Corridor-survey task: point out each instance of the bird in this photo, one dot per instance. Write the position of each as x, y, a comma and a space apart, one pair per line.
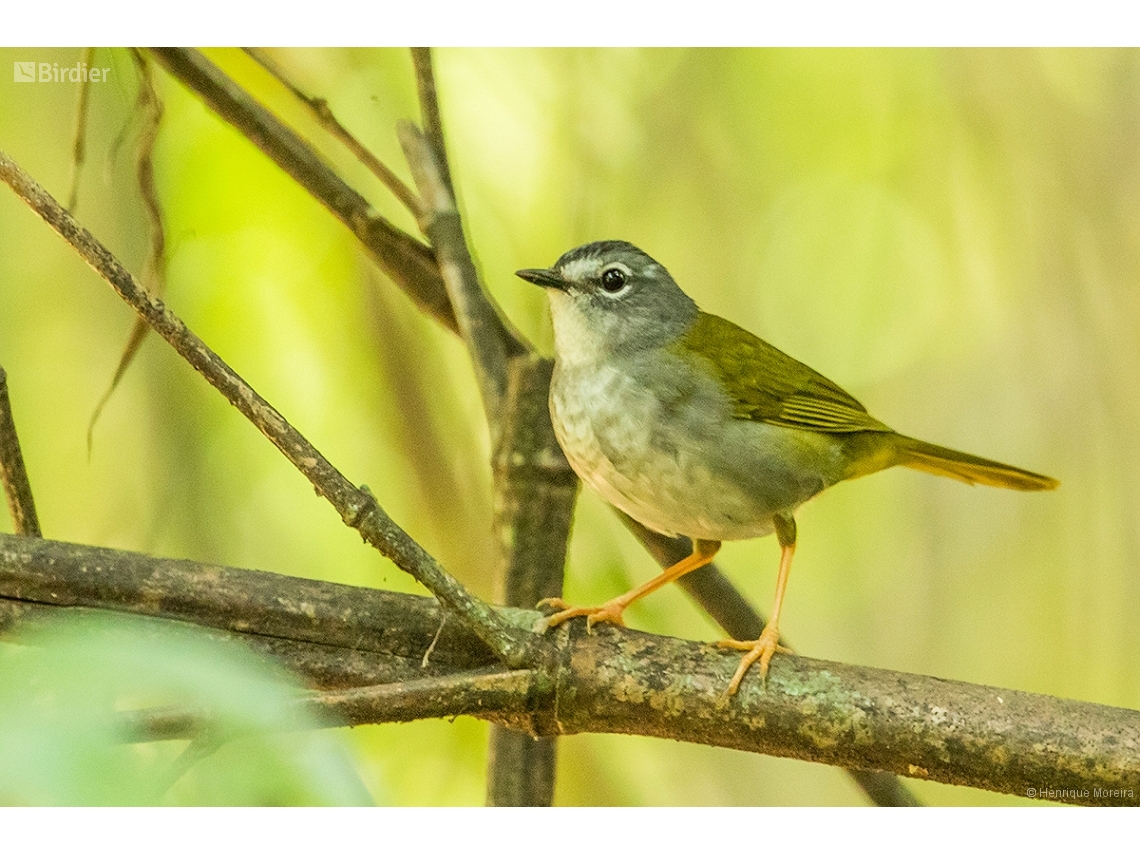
694, 426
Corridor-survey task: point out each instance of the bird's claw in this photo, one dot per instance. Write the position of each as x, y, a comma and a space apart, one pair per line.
762, 649
606, 613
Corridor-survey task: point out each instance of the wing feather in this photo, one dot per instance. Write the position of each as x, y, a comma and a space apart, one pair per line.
767, 385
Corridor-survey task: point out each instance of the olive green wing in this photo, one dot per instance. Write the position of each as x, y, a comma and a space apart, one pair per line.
767, 385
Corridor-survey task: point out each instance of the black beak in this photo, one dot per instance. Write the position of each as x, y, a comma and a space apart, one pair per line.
544, 277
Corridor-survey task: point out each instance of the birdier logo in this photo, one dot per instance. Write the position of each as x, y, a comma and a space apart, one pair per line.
52, 72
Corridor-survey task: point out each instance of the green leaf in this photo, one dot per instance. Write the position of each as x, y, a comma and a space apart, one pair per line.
66, 683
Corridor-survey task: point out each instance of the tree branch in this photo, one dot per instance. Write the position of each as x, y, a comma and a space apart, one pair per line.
266, 605
535, 492
491, 693
861, 718
357, 507
430, 112
622, 681
487, 337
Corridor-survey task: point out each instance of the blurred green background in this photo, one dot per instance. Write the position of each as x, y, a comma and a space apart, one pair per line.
951, 235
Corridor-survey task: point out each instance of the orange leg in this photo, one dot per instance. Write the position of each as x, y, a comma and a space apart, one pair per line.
767, 644
610, 612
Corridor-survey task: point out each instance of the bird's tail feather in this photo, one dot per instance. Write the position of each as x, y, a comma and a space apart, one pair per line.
966, 467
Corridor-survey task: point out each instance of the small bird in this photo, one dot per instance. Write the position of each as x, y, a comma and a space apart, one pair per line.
694, 426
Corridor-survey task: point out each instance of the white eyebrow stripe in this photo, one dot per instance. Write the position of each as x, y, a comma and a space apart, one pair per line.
581, 269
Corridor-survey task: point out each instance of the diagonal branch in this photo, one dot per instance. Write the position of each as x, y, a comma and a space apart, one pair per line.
357, 507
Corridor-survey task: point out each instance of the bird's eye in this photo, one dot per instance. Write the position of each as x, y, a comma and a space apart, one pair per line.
613, 280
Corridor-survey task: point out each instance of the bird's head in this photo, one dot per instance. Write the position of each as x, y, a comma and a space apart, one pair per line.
609, 297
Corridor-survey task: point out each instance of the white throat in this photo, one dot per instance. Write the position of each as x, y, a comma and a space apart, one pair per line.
575, 342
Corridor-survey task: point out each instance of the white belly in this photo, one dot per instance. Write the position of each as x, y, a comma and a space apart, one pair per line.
675, 459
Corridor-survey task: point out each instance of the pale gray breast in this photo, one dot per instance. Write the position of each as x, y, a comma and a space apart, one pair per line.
669, 453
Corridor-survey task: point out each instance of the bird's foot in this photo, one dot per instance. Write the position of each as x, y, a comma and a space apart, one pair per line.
763, 649
606, 613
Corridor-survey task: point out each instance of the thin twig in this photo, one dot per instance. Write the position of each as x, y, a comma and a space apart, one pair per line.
434, 641
201, 746
13, 474
357, 507
321, 111
430, 112
503, 693
492, 692
482, 328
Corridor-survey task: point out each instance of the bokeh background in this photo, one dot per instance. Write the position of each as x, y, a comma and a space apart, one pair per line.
951, 235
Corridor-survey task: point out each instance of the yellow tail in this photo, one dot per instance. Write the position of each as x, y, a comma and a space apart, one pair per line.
966, 467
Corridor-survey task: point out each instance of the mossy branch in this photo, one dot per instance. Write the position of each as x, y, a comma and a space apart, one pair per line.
611, 681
